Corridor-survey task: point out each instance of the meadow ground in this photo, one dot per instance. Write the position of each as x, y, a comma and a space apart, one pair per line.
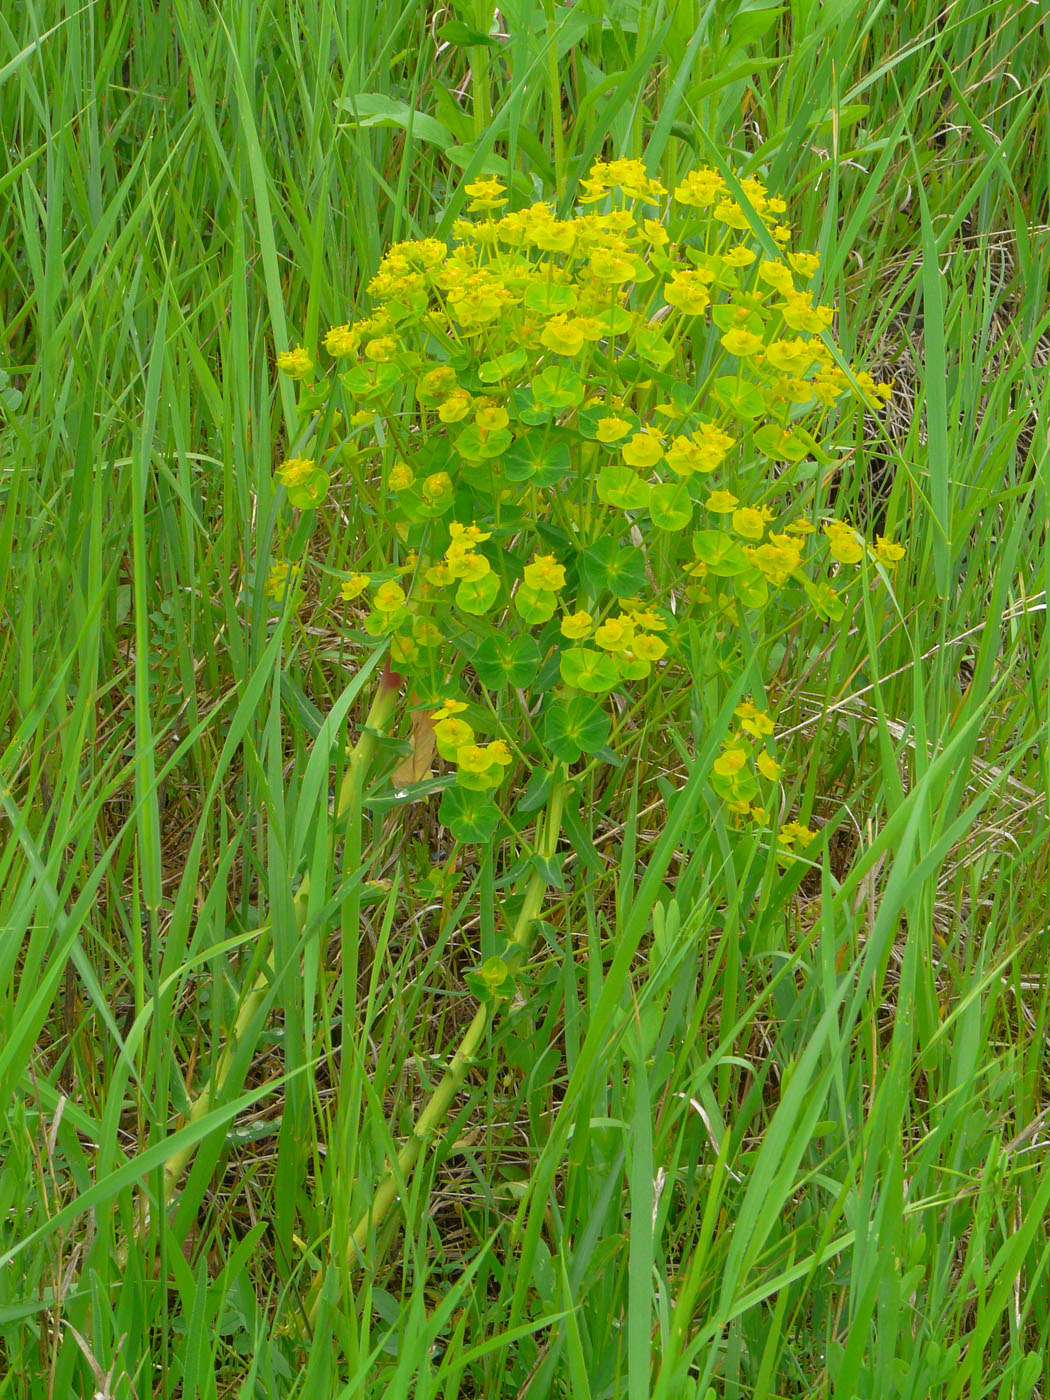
749, 1125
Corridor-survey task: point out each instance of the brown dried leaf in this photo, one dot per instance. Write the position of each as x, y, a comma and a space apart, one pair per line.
416, 765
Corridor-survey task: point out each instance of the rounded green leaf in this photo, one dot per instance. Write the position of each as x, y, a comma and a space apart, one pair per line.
502, 367
671, 506
824, 600
551, 298
524, 408
780, 443
573, 725
412, 507
632, 668
477, 596
740, 399
589, 670
726, 316
501, 660
534, 605
475, 445
720, 552
619, 486
470, 816
370, 381
558, 387
614, 320
607, 566
493, 981
751, 588
651, 347
543, 457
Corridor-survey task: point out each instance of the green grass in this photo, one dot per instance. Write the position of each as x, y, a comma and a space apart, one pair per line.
749, 1132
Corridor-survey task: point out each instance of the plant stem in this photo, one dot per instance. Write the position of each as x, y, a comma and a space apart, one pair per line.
437, 1105
554, 91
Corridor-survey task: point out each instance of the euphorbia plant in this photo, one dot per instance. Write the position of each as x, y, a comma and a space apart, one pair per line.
587, 449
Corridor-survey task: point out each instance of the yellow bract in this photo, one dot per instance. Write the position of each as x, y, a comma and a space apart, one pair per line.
296, 364
741, 342
615, 634
689, 292
544, 574
753, 720
749, 522
296, 470
576, 625
643, 450
612, 429
886, 551
563, 335
388, 597
843, 543
730, 762
341, 341
354, 586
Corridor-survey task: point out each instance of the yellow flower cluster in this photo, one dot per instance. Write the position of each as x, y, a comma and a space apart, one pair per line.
736, 772
479, 766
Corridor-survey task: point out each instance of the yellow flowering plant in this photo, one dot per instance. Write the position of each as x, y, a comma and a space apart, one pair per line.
590, 449
584, 439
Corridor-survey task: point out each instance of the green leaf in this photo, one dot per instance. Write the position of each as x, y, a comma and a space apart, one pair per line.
751, 588
607, 565
10, 397
824, 600
537, 791
454, 31
551, 298
473, 445
619, 486
502, 660
651, 346
720, 552
726, 316
376, 109
615, 320
476, 596
551, 869
470, 816
534, 605
780, 443
370, 381
492, 981
502, 367
414, 508
750, 25
740, 399
558, 387
525, 409
671, 506
544, 458
573, 725
589, 670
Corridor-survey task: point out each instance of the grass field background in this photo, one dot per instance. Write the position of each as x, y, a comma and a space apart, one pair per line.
750, 1131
